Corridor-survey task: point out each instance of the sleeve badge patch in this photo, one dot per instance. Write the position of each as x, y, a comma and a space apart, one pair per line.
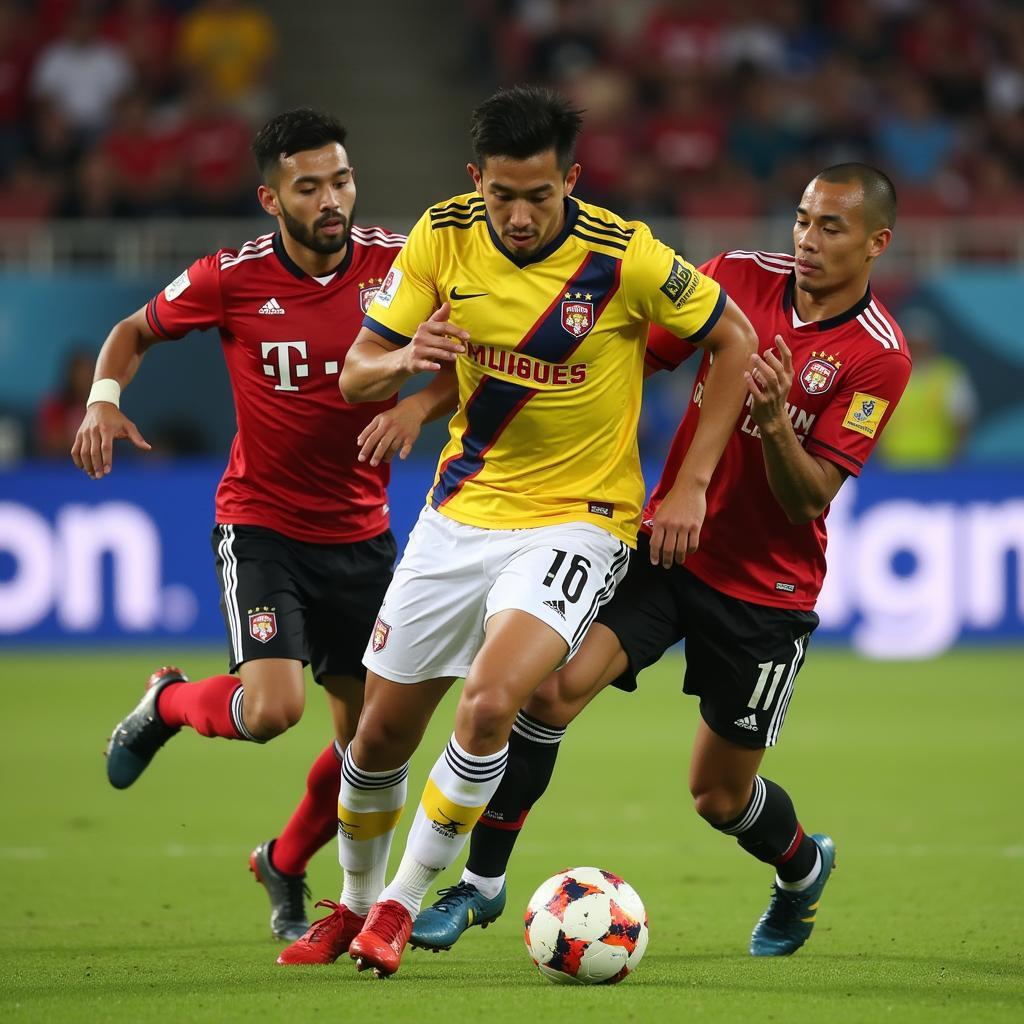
675, 284
177, 286
389, 289
865, 414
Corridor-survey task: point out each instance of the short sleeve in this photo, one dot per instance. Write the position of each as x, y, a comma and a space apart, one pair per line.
660, 286
665, 351
409, 293
191, 302
849, 428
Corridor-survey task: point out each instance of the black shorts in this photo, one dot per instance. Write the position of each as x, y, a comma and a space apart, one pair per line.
741, 658
314, 603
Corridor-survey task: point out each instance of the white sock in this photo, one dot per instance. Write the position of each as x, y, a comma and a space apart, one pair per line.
487, 887
369, 806
804, 882
410, 884
454, 797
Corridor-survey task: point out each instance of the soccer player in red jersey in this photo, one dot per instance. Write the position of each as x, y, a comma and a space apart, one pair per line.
831, 367
302, 544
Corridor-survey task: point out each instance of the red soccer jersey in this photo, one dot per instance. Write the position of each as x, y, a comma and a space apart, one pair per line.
848, 374
293, 465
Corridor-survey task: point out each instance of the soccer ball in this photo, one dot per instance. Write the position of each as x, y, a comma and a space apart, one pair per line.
586, 926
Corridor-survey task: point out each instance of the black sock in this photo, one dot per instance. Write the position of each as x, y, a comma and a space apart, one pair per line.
532, 751
768, 830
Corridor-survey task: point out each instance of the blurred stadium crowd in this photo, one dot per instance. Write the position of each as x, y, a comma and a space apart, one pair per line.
130, 108
145, 108
112, 108
727, 108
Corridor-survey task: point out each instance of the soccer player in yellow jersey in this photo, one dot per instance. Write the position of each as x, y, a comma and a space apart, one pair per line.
543, 304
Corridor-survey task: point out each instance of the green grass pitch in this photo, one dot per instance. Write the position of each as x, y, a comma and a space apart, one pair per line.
137, 906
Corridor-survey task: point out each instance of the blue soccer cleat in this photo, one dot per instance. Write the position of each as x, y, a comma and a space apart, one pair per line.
457, 908
789, 920
139, 735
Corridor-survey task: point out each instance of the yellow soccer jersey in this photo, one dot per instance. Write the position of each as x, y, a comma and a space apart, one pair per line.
549, 388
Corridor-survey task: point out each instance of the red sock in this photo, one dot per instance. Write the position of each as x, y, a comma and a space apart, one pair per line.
315, 821
213, 707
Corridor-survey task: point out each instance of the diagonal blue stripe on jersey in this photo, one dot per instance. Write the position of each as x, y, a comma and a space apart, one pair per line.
488, 412
495, 402
596, 281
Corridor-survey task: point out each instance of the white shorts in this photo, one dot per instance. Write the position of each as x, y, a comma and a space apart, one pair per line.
453, 578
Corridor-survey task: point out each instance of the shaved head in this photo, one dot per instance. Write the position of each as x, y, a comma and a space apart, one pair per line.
879, 193
880, 196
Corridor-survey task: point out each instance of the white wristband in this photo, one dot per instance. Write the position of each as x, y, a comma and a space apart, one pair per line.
105, 390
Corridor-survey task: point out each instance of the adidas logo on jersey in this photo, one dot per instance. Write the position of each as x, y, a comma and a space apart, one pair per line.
749, 722
272, 308
558, 606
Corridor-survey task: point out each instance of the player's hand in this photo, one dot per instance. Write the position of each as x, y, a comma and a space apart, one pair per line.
436, 341
769, 379
93, 450
389, 432
676, 529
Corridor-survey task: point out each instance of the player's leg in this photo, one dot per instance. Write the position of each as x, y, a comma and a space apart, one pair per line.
279, 864
743, 662
344, 586
517, 654
548, 586
425, 635
479, 896
263, 693
631, 632
533, 747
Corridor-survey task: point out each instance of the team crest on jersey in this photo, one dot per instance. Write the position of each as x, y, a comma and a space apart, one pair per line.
367, 291
381, 632
817, 375
262, 624
577, 317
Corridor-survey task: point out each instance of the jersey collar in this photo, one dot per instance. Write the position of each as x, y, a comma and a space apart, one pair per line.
833, 321
296, 271
571, 208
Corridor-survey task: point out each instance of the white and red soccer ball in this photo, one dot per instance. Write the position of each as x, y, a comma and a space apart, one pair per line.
586, 926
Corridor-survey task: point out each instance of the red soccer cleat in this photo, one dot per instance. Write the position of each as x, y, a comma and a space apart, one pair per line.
380, 944
325, 939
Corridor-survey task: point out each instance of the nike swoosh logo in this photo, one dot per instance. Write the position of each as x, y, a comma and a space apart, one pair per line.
454, 294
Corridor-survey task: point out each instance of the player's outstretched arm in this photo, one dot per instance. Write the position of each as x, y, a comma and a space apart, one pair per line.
376, 368
678, 521
396, 430
803, 484
104, 423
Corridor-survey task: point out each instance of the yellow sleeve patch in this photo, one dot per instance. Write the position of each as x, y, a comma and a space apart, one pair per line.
865, 413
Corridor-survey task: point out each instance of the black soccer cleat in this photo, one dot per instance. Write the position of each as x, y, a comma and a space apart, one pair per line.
287, 894
139, 735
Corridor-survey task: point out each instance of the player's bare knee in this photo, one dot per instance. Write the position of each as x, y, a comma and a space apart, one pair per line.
486, 717
265, 719
380, 744
716, 804
546, 701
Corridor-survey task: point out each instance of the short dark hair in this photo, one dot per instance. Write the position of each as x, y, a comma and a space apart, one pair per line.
524, 120
879, 192
292, 132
